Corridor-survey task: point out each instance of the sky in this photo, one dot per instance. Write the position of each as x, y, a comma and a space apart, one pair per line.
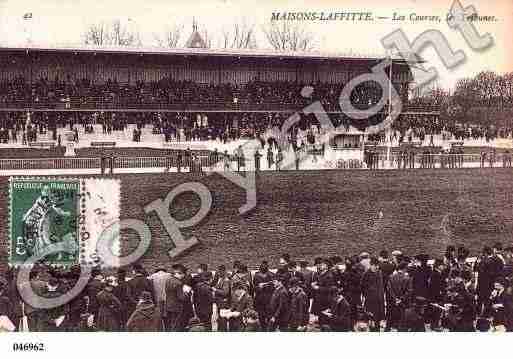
62, 23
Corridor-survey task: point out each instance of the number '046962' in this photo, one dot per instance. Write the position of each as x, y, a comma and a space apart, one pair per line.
28, 347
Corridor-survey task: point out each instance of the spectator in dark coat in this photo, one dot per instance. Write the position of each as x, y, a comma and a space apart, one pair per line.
122, 292
489, 268
497, 250
146, 317
299, 305
279, 307
13, 295
502, 304
436, 293
386, 266
78, 310
421, 276
462, 314
263, 284
295, 272
33, 314
222, 295
241, 302
48, 317
5, 303
175, 300
340, 313
337, 269
109, 309
203, 299
323, 288
398, 293
188, 312
373, 292
93, 288
138, 284
308, 275
351, 283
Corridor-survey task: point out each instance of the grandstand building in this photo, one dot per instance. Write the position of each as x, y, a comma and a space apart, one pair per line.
235, 93
206, 67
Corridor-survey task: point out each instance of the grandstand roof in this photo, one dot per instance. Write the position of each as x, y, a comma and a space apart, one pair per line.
203, 52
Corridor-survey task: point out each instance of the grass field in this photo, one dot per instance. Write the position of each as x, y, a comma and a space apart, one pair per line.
322, 213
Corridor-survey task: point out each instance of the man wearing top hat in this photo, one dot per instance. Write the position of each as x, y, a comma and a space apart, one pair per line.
323, 287
421, 276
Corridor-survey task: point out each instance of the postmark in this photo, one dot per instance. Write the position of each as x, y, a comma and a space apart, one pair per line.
101, 211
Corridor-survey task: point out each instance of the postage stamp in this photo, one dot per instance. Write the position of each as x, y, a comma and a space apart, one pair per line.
44, 211
71, 212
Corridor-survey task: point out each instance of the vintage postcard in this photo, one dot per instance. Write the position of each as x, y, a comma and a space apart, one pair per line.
255, 166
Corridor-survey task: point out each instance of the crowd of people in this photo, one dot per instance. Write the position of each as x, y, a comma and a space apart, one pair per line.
409, 157
85, 94
175, 127
224, 126
390, 292
411, 127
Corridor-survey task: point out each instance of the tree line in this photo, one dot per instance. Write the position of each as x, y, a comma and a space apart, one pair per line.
485, 99
283, 35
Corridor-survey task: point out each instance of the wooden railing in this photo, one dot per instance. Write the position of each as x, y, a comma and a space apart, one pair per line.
95, 162
445, 160
49, 163
420, 161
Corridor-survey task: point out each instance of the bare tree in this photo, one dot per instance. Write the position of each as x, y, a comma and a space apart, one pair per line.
170, 37
122, 35
508, 88
97, 34
112, 33
486, 82
239, 36
289, 36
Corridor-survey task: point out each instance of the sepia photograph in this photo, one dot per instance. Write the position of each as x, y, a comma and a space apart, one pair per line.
278, 167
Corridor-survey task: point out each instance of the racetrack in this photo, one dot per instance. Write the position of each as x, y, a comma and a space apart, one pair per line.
322, 213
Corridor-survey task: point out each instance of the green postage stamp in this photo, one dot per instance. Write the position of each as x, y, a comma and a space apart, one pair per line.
52, 213
44, 212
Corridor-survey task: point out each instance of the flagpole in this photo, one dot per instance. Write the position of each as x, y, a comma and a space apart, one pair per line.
390, 87
389, 105
27, 18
